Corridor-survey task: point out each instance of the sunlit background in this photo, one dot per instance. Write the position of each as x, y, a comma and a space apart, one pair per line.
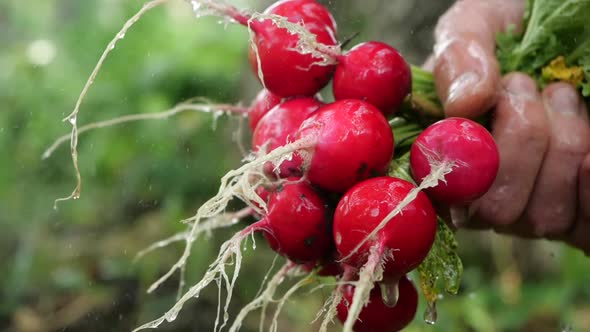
73, 269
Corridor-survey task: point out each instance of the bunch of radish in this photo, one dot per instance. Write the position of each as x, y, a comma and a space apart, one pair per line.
318, 179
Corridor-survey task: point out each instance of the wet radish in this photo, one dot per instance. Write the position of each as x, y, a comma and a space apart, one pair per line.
374, 72
278, 127
285, 70
297, 224
384, 227
352, 141
469, 146
303, 11
377, 316
264, 102
288, 44
408, 236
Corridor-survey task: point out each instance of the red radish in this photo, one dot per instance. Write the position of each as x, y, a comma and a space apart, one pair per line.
264, 102
303, 11
374, 72
277, 128
285, 70
293, 40
471, 149
377, 316
297, 224
409, 235
353, 141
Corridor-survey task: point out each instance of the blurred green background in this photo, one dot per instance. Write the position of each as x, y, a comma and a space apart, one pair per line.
73, 270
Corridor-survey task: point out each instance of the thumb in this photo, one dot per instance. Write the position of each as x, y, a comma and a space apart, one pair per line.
466, 71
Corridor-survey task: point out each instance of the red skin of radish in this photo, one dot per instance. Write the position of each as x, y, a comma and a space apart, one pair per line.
297, 225
287, 72
303, 11
278, 127
471, 146
353, 142
374, 72
410, 234
376, 316
264, 102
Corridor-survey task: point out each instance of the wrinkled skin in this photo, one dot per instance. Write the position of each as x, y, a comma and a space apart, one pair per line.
543, 185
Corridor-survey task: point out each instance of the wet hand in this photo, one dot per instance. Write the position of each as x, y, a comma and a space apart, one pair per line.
543, 185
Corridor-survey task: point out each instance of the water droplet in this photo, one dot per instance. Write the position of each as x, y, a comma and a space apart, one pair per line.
171, 315
121, 35
430, 314
374, 212
111, 47
389, 293
72, 120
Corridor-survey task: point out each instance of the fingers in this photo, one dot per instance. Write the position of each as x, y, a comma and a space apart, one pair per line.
580, 237
466, 70
521, 131
552, 208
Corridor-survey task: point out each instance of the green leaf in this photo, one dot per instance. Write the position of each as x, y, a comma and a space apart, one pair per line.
442, 269
553, 28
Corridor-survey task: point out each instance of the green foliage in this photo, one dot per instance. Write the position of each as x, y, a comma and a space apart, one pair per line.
552, 28
442, 269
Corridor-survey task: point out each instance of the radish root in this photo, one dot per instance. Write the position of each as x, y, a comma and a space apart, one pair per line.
229, 254
263, 298
221, 221
369, 274
301, 283
236, 183
73, 117
180, 108
307, 43
331, 305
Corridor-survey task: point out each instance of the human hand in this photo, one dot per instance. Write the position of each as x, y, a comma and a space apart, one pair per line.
543, 184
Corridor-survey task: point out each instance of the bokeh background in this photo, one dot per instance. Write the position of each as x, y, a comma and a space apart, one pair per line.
72, 269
